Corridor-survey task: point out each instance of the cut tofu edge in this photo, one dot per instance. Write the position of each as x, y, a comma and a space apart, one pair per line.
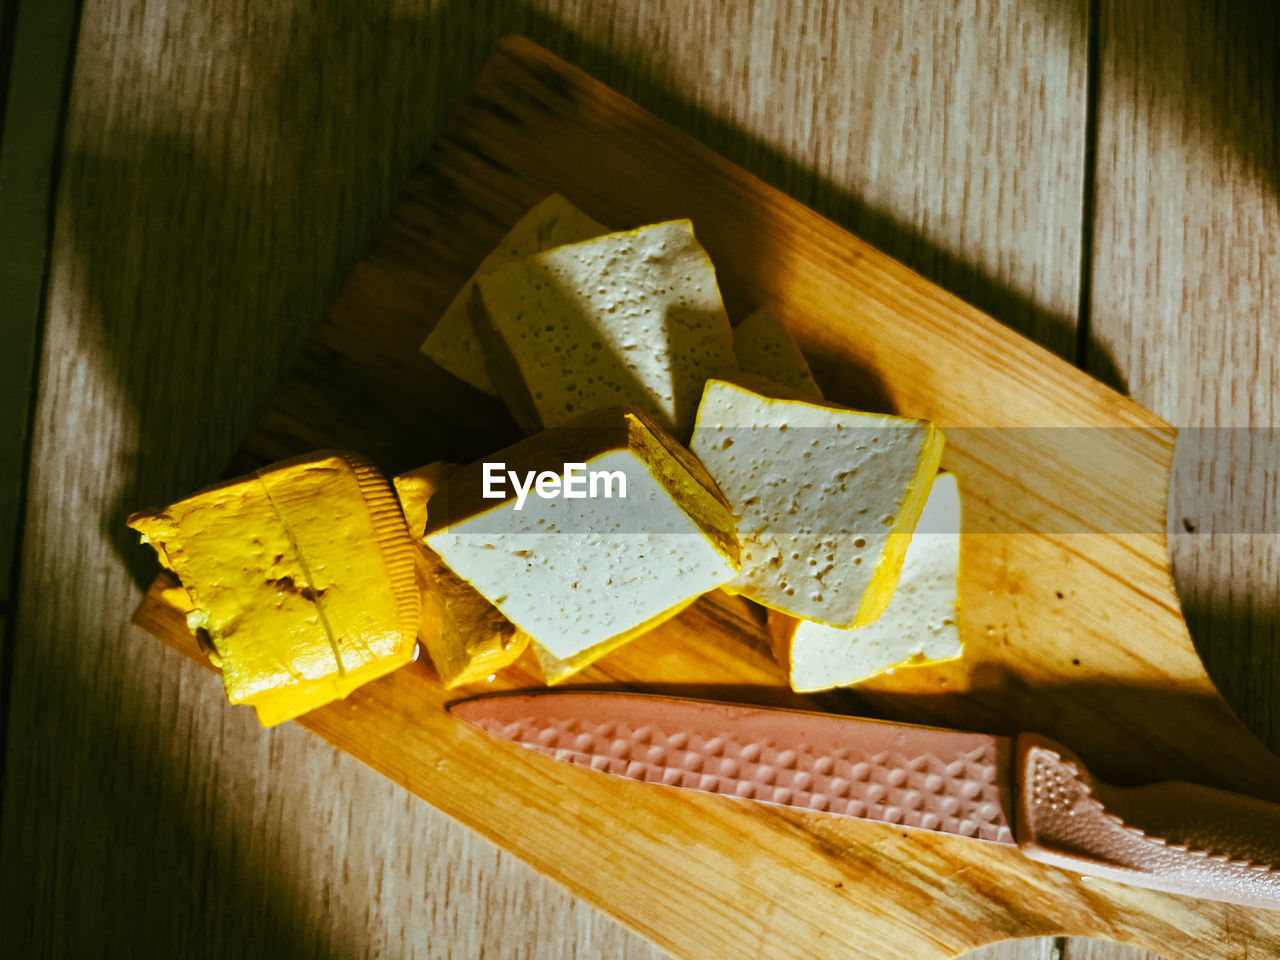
466, 637
687, 480
502, 369
889, 568
919, 627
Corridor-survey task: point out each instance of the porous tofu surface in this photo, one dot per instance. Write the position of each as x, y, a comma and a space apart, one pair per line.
825, 498
920, 625
584, 573
452, 343
575, 573
632, 317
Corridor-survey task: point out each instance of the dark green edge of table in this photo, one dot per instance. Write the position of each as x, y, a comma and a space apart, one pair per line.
37, 38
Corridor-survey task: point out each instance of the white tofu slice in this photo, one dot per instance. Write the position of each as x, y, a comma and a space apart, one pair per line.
631, 317
583, 575
765, 348
452, 343
825, 498
918, 627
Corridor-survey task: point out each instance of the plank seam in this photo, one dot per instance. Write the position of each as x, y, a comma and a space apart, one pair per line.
1088, 193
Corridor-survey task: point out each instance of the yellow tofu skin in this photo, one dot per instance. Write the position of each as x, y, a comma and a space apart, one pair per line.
467, 637
301, 576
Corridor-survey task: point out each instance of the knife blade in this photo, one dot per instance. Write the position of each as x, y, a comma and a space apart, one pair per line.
1176, 837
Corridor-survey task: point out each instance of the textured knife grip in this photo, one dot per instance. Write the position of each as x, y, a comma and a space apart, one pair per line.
1176, 837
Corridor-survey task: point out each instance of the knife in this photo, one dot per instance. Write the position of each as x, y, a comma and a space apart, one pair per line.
1026, 791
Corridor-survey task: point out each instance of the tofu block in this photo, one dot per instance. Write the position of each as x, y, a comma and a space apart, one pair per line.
918, 627
300, 576
765, 348
825, 498
632, 318
452, 343
467, 637
582, 575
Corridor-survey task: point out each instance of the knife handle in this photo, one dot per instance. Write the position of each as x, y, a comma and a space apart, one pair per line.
1171, 836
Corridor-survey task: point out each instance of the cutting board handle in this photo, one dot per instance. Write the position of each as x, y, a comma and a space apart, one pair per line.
1172, 836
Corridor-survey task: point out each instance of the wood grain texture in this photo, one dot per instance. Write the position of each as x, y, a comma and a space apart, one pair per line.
1185, 297
225, 168
949, 135
1108, 667
1035, 948
1078, 948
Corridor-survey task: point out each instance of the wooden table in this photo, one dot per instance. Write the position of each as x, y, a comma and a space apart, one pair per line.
1100, 175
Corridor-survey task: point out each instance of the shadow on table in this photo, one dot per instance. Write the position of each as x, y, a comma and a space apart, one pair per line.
1192, 89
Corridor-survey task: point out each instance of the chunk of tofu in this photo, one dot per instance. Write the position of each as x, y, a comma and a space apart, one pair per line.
765, 348
466, 636
918, 627
301, 576
583, 574
825, 498
632, 318
452, 343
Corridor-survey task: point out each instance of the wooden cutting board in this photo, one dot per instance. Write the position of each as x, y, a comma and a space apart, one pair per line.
1071, 623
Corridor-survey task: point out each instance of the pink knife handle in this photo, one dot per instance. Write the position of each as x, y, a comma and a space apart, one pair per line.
1172, 836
